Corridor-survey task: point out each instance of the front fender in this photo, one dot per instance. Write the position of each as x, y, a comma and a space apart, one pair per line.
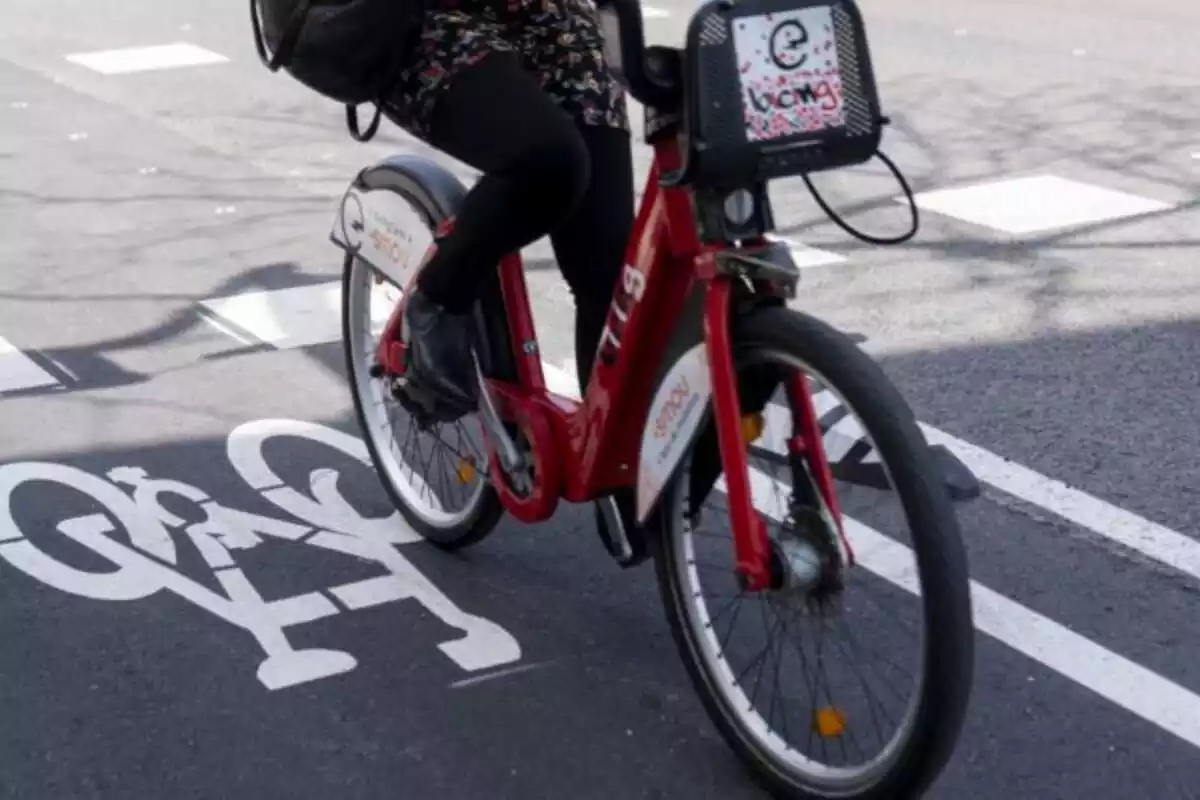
389, 212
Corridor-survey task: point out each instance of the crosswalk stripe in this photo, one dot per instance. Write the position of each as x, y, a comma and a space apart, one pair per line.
19, 372
806, 257
1035, 204
298, 316
145, 59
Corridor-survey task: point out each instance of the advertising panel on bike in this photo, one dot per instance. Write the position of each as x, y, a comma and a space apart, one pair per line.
789, 71
779, 88
381, 228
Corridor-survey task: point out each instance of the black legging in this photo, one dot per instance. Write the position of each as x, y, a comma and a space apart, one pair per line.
543, 173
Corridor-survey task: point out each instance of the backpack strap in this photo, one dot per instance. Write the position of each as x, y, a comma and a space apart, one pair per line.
372, 129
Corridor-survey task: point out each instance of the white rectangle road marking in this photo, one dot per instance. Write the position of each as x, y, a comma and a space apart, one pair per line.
301, 316
806, 257
145, 59
1035, 204
18, 371
286, 318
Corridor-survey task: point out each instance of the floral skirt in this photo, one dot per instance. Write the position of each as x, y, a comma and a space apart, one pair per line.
557, 40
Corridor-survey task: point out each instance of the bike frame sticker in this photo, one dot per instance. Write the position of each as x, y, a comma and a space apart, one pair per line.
139, 536
382, 228
678, 408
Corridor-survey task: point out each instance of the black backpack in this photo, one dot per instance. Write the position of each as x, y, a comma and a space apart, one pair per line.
350, 51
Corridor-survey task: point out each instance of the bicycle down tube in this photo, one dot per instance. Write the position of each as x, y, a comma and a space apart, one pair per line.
599, 449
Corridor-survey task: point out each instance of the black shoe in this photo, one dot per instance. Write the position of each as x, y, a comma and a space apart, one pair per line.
439, 352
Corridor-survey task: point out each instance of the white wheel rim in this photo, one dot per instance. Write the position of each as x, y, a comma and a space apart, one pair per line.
363, 304
725, 684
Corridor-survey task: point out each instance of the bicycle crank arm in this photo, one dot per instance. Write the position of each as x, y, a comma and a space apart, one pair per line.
506, 448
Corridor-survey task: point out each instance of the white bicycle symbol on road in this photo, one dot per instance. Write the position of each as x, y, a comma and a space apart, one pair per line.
330, 523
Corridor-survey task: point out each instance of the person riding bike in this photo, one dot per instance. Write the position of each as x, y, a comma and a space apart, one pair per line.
520, 90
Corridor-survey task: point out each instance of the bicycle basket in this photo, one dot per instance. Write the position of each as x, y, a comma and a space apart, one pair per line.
777, 88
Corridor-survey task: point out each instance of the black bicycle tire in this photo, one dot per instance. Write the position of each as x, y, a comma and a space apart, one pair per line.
941, 559
490, 509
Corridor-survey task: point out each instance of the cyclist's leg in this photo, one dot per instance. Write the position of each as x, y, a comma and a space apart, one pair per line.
590, 243
496, 118
590, 248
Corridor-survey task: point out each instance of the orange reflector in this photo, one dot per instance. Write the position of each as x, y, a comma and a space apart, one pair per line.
466, 470
830, 722
752, 427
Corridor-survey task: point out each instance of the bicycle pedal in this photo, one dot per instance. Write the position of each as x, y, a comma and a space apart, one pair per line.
623, 540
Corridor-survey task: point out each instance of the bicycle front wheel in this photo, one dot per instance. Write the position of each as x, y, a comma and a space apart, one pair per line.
761, 662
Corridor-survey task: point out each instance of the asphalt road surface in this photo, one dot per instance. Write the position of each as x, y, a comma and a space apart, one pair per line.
168, 309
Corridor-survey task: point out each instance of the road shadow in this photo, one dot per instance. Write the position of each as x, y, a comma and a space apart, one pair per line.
1111, 411
93, 366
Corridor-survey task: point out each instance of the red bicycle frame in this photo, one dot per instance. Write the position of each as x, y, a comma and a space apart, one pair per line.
584, 450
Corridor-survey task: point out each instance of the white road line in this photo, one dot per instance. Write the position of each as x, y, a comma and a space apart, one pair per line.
144, 59
650, 12
1034, 204
500, 673
1114, 677
1115, 524
301, 316
225, 329
806, 257
18, 371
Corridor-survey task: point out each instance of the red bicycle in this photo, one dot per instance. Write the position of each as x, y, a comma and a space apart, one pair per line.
763, 89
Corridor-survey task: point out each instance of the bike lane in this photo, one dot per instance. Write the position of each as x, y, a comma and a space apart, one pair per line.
177, 696
595, 704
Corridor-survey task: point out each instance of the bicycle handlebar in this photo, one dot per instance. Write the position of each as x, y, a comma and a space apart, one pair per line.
631, 53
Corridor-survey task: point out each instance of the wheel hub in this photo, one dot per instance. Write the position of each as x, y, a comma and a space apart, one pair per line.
804, 560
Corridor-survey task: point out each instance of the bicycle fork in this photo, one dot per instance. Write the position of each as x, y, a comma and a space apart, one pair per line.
757, 567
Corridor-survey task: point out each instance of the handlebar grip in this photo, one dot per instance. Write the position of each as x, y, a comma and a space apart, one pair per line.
631, 68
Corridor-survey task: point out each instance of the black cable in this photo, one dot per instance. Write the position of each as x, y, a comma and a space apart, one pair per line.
840, 221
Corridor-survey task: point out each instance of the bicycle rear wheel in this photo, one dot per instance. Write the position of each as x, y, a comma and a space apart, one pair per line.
927, 576
435, 475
